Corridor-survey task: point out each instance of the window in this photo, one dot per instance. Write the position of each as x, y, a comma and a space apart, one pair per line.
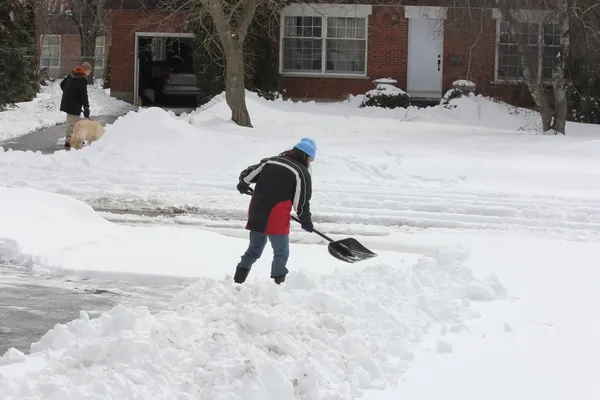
324, 45
543, 47
100, 52
50, 51
159, 49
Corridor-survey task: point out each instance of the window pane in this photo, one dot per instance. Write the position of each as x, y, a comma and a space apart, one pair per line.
302, 54
532, 33
351, 28
346, 56
50, 40
509, 63
549, 58
302, 27
551, 36
505, 36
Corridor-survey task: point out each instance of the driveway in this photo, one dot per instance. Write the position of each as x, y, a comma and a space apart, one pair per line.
31, 305
48, 140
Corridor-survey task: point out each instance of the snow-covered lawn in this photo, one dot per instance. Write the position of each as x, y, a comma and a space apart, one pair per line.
485, 286
44, 110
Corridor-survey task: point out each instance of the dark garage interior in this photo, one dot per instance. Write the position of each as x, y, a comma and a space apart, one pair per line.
166, 72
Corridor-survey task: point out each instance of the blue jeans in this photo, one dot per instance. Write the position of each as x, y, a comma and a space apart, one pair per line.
281, 252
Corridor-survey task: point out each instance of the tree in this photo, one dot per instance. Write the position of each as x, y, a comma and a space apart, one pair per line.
228, 22
552, 111
90, 17
18, 73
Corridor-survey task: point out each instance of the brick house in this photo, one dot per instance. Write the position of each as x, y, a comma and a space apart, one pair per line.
59, 44
328, 51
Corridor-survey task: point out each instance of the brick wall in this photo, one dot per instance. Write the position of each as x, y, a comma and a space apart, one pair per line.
387, 46
469, 52
124, 25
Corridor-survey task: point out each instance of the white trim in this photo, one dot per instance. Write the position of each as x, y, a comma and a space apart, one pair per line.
531, 16
165, 34
327, 10
136, 63
425, 12
324, 11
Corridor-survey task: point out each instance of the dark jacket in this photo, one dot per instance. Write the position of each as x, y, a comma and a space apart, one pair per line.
282, 182
75, 95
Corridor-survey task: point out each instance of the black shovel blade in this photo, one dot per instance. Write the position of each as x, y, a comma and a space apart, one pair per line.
349, 250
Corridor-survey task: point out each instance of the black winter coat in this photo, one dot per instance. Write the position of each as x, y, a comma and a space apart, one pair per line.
75, 94
282, 183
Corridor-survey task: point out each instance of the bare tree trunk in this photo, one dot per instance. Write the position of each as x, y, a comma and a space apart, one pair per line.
88, 48
232, 39
559, 82
530, 65
235, 88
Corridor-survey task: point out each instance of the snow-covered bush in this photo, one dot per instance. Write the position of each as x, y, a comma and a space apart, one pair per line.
386, 96
269, 94
449, 95
464, 85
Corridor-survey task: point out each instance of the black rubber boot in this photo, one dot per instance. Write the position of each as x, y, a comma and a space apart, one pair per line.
240, 275
279, 279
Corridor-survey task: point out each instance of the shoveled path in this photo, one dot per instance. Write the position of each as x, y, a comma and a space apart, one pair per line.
31, 305
48, 140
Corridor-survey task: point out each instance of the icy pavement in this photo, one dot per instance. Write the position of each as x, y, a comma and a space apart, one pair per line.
31, 305
47, 140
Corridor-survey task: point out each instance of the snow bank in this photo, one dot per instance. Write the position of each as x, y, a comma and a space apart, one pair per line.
316, 337
44, 110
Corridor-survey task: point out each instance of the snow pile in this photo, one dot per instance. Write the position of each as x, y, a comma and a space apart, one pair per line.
44, 110
316, 337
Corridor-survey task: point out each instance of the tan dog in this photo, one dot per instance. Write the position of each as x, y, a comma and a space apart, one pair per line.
86, 130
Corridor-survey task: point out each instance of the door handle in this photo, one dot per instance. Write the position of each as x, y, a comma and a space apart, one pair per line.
439, 64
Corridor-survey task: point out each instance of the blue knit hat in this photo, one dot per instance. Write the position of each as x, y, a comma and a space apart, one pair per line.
308, 147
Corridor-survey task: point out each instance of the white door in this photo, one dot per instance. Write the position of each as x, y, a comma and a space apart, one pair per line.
425, 52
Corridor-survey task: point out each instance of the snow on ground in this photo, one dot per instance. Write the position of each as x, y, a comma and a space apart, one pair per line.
457, 201
544, 344
329, 333
468, 167
44, 110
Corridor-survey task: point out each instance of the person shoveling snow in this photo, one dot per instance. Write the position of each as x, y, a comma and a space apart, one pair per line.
281, 182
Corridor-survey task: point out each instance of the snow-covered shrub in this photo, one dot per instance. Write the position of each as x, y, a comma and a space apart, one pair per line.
464, 85
269, 94
449, 95
386, 96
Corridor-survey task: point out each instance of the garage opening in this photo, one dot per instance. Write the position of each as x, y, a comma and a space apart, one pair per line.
165, 71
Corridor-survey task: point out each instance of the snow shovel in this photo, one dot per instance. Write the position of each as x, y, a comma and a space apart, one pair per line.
348, 250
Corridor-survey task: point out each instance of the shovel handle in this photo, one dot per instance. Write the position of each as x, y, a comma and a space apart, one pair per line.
314, 230
250, 191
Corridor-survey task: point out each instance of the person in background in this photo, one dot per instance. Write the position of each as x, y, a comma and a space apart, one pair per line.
282, 182
75, 97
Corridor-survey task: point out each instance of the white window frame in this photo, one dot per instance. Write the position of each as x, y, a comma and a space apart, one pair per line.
102, 56
538, 17
324, 11
42, 46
